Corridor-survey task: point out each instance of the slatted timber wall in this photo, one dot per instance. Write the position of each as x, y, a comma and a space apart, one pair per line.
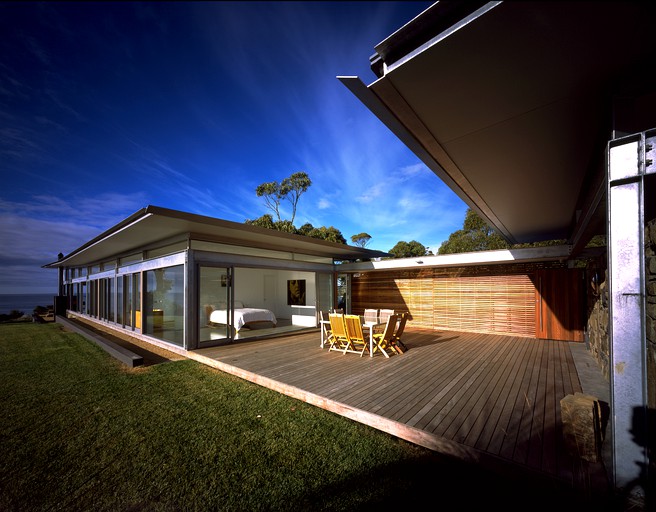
497, 300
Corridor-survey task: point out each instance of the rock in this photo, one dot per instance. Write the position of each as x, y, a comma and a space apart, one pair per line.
581, 415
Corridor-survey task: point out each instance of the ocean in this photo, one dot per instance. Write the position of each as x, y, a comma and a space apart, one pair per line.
25, 302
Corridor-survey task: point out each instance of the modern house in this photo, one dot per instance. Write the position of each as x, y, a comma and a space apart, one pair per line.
541, 117
160, 275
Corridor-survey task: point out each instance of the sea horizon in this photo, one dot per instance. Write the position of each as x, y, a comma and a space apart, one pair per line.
25, 302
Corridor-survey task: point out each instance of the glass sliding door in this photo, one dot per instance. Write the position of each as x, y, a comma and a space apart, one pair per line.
215, 304
120, 298
136, 299
163, 314
83, 298
324, 292
110, 300
344, 292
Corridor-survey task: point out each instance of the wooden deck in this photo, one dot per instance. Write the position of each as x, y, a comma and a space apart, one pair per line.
488, 399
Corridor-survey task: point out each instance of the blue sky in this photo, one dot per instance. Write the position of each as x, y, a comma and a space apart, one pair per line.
108, 107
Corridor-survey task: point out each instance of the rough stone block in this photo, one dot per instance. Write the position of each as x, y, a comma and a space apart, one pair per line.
581, 416
650, 329
651, 266
650, 231
651, 288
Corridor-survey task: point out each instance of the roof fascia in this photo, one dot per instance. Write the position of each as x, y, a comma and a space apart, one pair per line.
389, 45
353, 252
130, 221
324, 247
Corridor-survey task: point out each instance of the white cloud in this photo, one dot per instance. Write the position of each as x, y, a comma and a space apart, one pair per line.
34, 231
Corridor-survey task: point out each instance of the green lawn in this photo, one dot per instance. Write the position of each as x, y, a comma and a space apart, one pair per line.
79, 431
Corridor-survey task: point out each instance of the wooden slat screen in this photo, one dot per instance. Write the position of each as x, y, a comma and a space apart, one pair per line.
491, 304
467, 299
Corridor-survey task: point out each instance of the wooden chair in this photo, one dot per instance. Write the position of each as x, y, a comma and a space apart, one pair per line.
338, 311
385, 340
370, 315
384, 314
396, 337
340, 339
355, 334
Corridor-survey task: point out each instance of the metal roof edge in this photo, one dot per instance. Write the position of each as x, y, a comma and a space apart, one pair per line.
117, 227
151, 210
497, 257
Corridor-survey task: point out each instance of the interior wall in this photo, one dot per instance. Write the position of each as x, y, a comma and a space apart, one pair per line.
250, 289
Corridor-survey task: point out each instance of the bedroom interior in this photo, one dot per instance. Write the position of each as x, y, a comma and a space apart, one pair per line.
266, 302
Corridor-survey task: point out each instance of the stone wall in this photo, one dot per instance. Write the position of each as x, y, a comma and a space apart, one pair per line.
598, 338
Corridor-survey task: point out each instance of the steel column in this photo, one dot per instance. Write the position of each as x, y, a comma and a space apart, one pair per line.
626, 269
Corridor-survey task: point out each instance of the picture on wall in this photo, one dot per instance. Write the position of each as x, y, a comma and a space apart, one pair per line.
296, 292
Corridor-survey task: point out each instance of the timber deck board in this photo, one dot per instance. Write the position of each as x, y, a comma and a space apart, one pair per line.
469, 393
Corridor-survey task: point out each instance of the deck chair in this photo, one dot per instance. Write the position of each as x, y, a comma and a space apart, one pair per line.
356, 334
384, 341
397, 344
328, 338
383, 315
338, 329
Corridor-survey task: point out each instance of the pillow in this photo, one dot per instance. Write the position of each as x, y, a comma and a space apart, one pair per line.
239, 304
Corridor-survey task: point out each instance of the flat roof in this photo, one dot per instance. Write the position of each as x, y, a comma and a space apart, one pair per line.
153, 224
496, 257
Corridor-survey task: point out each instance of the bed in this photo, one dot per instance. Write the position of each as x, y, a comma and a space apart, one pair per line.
244, 317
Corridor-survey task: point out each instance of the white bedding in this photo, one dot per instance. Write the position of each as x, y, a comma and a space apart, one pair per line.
243, 316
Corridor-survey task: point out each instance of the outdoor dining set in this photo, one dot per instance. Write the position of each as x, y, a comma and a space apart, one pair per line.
346, 333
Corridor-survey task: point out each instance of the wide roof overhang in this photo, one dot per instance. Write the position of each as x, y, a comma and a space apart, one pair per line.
153, 225
512, 104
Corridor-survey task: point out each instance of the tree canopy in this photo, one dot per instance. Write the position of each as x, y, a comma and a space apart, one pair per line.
331, 234
475, 235
411, 249
361, 239
290, 188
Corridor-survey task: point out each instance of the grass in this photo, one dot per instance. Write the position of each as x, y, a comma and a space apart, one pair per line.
78, 431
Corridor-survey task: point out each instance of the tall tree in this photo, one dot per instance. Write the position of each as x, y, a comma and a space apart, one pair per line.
293, 187
272, 193
361, 239
475, 235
